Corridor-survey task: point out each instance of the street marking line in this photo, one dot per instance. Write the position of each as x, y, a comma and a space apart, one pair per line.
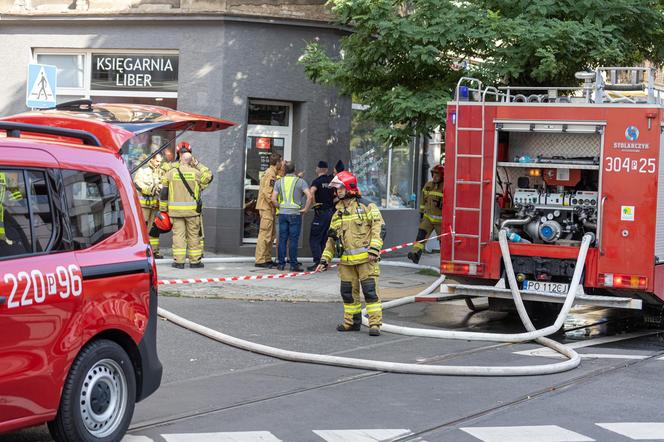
548, 353
362, 435
132, 438
539, 433
636, 430
235, 436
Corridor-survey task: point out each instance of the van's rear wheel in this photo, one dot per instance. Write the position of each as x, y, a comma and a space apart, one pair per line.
98, 397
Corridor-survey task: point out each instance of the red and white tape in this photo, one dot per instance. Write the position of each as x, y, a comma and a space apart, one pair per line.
276, 275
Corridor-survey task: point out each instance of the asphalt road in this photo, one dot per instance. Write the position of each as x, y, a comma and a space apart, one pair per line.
211, 392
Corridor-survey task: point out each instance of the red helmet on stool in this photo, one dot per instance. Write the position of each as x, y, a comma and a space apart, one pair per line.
348, 181
163, 222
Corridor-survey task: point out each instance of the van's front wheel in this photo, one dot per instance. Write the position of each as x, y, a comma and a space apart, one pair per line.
98, 396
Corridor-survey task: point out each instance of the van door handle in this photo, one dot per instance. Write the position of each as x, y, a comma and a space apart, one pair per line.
601, 221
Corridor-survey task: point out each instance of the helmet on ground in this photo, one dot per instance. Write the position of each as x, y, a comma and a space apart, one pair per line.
184, 145
348, 181
439, 169
163, 222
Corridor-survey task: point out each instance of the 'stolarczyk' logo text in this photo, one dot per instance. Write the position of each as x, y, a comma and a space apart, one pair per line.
631, 134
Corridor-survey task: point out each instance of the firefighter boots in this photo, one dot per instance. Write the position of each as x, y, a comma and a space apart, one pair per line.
415, 256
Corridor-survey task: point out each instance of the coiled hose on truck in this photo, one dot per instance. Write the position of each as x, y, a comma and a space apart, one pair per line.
538, 336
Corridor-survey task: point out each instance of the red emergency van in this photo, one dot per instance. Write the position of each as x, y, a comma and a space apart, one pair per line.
78, 282
78, 287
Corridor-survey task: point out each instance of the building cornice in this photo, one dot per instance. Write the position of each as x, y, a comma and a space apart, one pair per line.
141, 18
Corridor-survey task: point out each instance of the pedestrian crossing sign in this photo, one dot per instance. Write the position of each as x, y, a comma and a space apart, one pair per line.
41, 86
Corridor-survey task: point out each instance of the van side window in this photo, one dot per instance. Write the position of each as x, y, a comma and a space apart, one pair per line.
40, 207
15, 233
95, 208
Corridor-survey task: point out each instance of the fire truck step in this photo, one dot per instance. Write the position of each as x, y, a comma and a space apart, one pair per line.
470, 129
468, 155
581, 299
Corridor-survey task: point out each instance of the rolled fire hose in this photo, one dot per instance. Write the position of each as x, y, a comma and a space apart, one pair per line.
397, 367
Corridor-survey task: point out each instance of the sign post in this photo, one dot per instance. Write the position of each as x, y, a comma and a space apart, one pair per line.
41, 86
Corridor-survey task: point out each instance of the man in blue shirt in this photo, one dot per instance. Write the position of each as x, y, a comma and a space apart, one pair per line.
291, 194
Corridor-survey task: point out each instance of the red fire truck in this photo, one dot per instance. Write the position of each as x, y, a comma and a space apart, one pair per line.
548, 165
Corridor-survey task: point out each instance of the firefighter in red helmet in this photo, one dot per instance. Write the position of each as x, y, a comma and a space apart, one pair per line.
356, 236
206, 177
431, 208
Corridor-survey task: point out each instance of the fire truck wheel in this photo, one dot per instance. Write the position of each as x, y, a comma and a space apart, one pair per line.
98, 397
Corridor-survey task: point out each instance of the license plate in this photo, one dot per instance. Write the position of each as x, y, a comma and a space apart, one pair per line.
546, 287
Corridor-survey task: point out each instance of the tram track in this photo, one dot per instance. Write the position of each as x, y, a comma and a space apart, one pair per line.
160, 422
536, 394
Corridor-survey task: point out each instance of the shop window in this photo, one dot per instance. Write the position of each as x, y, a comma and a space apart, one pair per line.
95, 208
385, 174
268, 114
70, 68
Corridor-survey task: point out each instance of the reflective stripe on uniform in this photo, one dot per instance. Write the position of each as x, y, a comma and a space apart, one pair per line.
355, 255
432, 193
353, 309
179, 252
287, 193
374, 307
188, 205
376, 243
434, 219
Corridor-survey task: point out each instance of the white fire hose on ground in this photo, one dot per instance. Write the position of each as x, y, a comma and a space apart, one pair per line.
396, 367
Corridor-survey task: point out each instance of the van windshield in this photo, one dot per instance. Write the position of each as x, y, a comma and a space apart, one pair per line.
137, 148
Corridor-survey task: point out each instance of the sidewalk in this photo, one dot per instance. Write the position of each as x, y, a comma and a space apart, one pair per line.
395, 282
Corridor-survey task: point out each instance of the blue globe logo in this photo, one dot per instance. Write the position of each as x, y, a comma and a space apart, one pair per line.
632, 133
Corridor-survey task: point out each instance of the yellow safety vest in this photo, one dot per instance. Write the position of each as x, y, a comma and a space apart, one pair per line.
287, 193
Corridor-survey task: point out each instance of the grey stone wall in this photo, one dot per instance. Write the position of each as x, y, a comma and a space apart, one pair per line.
222, 65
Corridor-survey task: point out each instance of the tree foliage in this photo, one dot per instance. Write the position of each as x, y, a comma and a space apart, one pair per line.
399, 58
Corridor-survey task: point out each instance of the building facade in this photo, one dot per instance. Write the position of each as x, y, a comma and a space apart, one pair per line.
234, 59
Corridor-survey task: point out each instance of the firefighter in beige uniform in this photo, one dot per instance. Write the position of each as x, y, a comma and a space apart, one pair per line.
431, 208
148, 184
266, 232
356, 232
206, 175
180, 196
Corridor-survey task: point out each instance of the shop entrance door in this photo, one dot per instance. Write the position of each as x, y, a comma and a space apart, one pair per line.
269, 129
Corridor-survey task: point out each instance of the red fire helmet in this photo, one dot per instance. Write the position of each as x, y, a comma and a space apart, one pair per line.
439, 169
346, 180
163, 222
184, 145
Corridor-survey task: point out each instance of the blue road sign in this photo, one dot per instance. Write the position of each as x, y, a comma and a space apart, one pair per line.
42, 82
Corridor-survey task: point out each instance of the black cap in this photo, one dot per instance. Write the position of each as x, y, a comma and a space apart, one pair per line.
322, 164
340, 166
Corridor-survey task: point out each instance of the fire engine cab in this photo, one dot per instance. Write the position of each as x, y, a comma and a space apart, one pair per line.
546, 166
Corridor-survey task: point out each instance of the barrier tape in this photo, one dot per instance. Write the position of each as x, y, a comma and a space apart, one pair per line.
277, 275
